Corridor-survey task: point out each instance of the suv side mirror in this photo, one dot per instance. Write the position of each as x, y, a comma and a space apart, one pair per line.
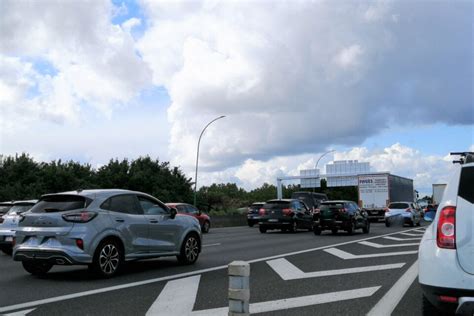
173, 212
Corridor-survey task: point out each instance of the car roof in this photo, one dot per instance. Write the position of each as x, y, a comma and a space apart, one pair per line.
6, 203
32, 202
337, 201
281, 200
97, 193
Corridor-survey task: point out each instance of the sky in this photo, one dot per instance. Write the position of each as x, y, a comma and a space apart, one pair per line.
389, 82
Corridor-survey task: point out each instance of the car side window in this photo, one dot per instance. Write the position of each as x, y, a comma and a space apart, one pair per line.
151, 207
191, 209
127, 204
181, 209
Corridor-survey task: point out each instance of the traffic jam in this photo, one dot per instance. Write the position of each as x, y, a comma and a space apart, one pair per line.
106, 229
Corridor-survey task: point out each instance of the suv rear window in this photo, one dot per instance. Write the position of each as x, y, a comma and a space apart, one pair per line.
466, 190
19, 208
60, 203
398, 205
277, 204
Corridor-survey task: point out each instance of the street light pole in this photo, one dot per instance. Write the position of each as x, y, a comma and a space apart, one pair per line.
316, 166
197, 155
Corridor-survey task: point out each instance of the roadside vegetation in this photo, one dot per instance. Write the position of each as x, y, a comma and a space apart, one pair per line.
21, 177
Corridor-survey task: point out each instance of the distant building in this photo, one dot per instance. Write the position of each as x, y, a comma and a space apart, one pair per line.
344, 172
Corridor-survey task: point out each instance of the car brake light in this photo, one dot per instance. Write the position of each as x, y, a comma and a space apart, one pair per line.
80, 244
448, 299
287, 212
79, 217
343, 210
446, 233
262, 212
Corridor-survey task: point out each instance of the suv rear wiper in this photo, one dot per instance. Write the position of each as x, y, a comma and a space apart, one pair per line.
52, 209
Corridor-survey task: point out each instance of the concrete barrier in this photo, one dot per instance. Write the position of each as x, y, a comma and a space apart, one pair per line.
239, 288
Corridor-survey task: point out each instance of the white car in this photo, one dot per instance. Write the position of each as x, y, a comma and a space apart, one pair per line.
9, 223
407, 212
446, 254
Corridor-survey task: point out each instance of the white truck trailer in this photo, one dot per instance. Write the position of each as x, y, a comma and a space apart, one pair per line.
438, 191
377, 190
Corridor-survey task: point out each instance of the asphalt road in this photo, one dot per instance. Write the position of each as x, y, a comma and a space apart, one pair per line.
355, 270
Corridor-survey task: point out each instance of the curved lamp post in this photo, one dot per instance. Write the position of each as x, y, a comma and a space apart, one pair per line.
327, 152
197, 155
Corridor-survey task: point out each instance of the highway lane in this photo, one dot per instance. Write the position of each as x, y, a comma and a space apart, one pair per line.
224, 246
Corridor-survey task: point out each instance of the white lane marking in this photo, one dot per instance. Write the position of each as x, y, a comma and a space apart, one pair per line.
347, 256
176, 298
211, 245
379, 246
413, 235
170, 277
288, 271
390, 300
402, 239
21, 313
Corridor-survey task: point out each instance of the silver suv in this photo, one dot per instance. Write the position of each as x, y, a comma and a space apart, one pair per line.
102, 229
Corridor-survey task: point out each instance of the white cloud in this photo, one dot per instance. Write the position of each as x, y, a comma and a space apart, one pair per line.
297, 77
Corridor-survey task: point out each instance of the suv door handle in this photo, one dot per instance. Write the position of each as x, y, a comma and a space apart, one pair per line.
120, 220
153, 221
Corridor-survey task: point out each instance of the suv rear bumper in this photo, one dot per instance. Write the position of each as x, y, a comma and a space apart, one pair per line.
465, 305
52, 256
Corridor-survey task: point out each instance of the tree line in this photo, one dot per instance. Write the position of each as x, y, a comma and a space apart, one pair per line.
21, 178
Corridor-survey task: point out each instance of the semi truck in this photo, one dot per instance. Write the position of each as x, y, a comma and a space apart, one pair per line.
377, 190
438, 191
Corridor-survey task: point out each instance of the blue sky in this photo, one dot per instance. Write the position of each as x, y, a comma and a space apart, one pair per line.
386, 81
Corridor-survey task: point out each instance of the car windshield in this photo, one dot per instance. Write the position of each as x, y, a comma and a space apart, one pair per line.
60, 203
398, 205
19, 208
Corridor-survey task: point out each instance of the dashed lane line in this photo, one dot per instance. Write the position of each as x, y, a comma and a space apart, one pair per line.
171, 277
288, 271
379, 246
348, 256
413, 235
211, 245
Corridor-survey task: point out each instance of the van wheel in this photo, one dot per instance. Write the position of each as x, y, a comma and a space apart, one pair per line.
108, 258
38, 268
189, 249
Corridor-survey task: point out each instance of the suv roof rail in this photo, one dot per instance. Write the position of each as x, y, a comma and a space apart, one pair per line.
466, 157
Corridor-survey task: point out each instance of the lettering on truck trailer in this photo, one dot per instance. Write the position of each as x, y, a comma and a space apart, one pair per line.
373, 191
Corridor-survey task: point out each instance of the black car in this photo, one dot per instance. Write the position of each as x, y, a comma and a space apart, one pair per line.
285, 214
252, 213
340, 215
311, 199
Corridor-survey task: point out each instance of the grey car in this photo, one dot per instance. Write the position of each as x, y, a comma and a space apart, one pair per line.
9, 223
102, 229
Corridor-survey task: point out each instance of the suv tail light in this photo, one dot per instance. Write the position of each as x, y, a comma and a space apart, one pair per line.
262, 212
287, 212
446, 233
79, 217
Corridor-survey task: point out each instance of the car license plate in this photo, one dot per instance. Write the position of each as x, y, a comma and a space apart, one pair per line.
273, 220
9, 238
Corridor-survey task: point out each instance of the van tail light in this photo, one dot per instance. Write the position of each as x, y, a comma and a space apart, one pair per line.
79, 217
262, 212
446, 232
287, 212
